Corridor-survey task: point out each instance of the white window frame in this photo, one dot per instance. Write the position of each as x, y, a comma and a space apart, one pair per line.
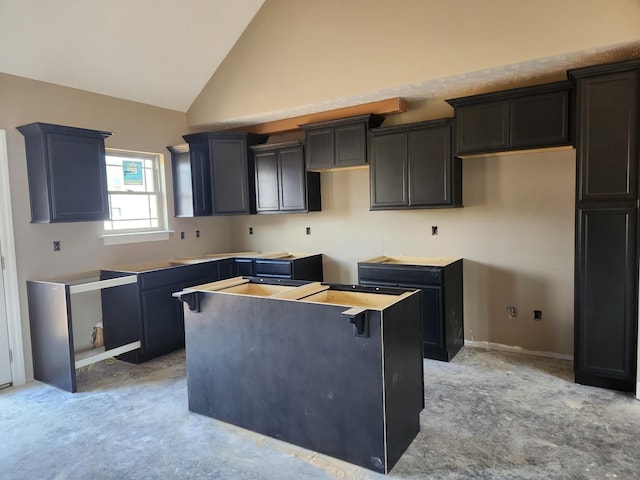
121, 236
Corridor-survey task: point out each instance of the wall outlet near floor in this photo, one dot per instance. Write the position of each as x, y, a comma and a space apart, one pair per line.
537, 315
56, 245
308, 230
512, 312
181, 235
250, 230
197, 233
434, 230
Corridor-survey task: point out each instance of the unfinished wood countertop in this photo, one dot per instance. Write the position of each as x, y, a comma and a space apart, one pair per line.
404, 260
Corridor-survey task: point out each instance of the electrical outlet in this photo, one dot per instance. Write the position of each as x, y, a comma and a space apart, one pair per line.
512, 312
250, 230
537, 315
56, 245
197, 233
308, 230
434, 230
181, 235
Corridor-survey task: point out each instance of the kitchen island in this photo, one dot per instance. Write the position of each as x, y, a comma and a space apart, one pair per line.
332, 368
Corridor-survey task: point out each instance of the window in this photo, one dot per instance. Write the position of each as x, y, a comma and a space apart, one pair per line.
137, 202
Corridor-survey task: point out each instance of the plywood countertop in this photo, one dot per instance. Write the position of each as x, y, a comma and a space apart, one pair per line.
422, 261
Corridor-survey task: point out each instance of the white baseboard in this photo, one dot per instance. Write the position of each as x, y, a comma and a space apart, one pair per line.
509, 348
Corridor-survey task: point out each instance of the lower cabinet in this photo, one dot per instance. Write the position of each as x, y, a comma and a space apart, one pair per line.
440, 283
150, 312
411, 166
331, 368
294, 267
606, 297
59, 342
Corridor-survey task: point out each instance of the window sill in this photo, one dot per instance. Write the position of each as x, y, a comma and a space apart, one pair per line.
123, 238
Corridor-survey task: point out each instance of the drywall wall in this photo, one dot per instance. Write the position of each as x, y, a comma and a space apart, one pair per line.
298, 53
135, 127
515, 233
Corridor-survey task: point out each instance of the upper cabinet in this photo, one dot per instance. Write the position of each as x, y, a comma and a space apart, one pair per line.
607, 141
338, 143
67, 173
282, 183
518, 119
191, 181
412, 166
231, 169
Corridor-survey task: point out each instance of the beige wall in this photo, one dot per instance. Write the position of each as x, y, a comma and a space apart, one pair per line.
515, 233
135, 127
516, 230
296, 53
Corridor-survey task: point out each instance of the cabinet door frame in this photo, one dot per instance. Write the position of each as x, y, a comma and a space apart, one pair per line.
267, 173
291, 162
342, 156
323, 135
484, 112
201, 183
397, 168
440, 167
220, 177
585, 137
536, 103
586, 283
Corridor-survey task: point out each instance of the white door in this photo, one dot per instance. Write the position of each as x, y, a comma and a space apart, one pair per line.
5, 364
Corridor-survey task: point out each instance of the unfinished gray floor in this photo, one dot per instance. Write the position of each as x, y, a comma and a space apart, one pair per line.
488, 415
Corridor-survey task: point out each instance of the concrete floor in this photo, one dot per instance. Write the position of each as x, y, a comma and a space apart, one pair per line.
488, 415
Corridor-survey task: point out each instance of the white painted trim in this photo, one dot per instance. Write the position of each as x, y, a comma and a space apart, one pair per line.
100, 284
508, 348
14, 322
93, 357
123, 238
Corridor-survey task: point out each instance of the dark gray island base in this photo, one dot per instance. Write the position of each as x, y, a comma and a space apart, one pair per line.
332, 368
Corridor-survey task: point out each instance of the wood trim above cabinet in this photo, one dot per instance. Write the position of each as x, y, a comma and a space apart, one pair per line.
388, 106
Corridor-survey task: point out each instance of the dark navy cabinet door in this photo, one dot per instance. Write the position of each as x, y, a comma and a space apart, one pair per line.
67, 173
608, 137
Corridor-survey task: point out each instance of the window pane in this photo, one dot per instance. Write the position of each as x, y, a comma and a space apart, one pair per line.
129, 207
137, 173
153, 206
114, 177
150, 183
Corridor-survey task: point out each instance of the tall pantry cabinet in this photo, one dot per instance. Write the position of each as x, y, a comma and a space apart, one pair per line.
606, 263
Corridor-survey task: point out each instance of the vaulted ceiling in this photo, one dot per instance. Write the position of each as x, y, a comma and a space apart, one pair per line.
156, 52
163, 52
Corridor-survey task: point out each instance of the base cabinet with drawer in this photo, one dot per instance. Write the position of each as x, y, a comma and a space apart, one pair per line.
440, 281
294, 267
